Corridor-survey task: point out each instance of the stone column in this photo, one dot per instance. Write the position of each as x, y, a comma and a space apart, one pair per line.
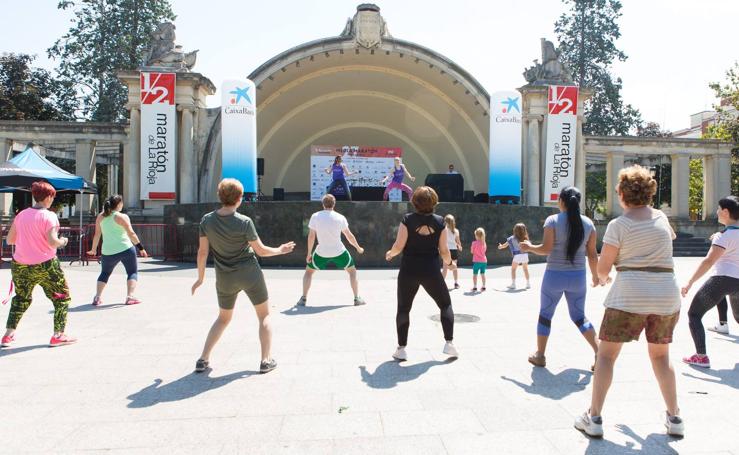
112, 180
132, 162
580, 163
6, 199
533, 154
614, 163
680, 186
188, 184
723, 174
85, 167
710, 186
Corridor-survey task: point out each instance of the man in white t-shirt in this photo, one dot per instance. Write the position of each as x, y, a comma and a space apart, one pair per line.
328, 225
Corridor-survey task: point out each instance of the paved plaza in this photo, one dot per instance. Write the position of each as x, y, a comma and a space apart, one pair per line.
128, 386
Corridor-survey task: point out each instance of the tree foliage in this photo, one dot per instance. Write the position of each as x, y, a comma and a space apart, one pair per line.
695, 188
28, 93
652, 129
595, 194
587, 33
726, 126
106, 36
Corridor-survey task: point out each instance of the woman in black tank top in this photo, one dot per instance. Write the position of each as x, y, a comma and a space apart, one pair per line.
422, 240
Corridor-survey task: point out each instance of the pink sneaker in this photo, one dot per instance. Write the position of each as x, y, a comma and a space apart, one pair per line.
7, 341
61, 340
97, 301
698, 360
132, 301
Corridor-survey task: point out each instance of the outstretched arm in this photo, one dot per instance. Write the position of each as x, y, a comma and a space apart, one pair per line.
266, 251
346, 170
544, 248
399, 244
713, 255
407, 172
352, 240
96, 237
503, 246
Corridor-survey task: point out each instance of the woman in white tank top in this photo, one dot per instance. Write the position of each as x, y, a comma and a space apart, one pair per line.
454, 243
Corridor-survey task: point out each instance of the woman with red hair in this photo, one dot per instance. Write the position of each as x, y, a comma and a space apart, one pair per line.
35, 234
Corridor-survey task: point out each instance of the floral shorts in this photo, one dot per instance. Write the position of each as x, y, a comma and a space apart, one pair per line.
621, 326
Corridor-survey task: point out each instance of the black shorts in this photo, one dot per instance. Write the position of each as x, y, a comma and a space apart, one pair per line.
455, 254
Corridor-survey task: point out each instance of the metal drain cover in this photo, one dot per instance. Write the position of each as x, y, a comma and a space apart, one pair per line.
458, 317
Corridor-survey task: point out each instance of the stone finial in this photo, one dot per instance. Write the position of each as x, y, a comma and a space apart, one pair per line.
551, 71
367, 27
164, 53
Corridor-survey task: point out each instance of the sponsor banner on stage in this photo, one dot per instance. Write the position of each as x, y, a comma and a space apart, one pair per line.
370, 165
559, 166
239, 133
504, 176
158, 133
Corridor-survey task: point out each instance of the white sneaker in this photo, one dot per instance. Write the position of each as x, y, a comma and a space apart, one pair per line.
590, 425
400, 354
528, 285
511, 286
675, 425
720, 328
450, 350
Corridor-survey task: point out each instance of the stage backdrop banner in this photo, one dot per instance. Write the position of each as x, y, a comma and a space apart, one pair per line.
158, 133
239, 133
559, 169
504, 182
371, 164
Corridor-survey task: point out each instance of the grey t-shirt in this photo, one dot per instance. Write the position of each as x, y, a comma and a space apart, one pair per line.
229, 238
557, 259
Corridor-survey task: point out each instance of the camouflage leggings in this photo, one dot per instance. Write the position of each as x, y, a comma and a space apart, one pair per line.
50, 277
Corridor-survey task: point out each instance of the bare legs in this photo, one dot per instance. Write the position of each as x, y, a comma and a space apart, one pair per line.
224, 318
352, 271
308, 279
660, 358
453, 268
514, 266
130, 288
525, 268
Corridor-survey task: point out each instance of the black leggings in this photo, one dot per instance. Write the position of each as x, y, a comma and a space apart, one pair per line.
710, 294
410, 278
723, 311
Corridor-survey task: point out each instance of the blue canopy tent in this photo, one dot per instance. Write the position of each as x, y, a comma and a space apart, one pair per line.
20, 172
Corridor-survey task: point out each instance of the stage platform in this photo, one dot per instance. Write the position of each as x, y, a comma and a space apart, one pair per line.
373, 223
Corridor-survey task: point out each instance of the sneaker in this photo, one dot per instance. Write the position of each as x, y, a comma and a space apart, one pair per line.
721, 327
97, 301
302, 302
450, 350
201, 365
474, 290
132, 301
358, 301
61, 340
267, 365
675, 425
538, 360
528, 285
482, 289
7, 341
400, 354
511, 286
456, 285
698, 360
590, 425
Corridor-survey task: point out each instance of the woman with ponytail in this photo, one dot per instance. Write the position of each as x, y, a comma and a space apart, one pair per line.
569, 238
120, 243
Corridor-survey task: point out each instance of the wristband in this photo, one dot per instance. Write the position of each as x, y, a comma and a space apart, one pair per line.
139, 246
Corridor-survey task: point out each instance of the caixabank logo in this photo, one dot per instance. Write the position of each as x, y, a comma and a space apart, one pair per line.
562, 100
240, 94
510, 104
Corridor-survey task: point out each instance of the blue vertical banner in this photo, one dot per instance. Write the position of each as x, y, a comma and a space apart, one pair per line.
239, 133
505, 147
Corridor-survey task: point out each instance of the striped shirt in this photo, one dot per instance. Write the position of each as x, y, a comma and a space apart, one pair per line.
644, 239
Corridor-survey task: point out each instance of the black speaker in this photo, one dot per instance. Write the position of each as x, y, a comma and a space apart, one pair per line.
260, 166
278, 194
482, 197
449, 187
367, 193
469, 196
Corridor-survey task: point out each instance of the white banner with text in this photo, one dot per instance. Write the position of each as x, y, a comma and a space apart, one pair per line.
559, 165
158, 133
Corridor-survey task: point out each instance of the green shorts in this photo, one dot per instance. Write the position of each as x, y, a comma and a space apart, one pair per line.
342, 261
248, 278
479, 267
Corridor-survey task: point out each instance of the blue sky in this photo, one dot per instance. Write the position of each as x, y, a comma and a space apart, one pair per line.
675, 47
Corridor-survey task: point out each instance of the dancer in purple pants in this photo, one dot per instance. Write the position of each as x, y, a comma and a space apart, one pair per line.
398, 172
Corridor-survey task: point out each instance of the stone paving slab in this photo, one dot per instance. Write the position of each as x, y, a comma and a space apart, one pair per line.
128, 386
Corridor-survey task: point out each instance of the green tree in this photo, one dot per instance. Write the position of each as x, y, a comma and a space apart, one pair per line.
652, 129
106, 36
595, 194
695, 188
28, 93
726, 126
587, 33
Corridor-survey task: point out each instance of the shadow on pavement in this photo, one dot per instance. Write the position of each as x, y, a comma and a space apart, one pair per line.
554, 386
388, 374
89, 307
298, 310
181, 389
167, 267
725, 377
657, 443
10, 351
